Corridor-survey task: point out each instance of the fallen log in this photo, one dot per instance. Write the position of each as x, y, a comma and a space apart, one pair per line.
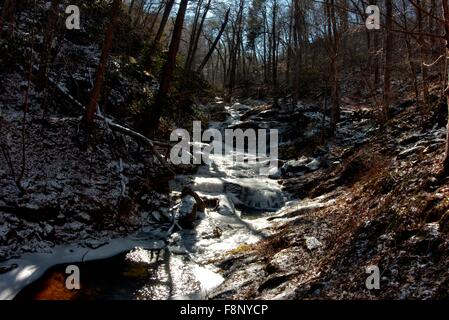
137, 136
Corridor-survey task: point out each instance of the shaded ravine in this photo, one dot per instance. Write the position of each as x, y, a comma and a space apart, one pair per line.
154, 264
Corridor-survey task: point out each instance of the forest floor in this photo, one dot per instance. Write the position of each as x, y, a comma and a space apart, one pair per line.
378, 201
60, 184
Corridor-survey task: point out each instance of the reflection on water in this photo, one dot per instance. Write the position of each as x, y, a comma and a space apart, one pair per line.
116, 279
166, 276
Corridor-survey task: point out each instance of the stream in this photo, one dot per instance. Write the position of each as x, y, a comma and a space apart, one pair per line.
148, 265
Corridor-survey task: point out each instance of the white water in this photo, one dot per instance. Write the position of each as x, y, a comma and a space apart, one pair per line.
245, 201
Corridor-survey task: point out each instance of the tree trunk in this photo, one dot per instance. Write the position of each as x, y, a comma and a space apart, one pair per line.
388, 46
412, 65
234, 50
274, 55
47, 44
193, 46
131, 6
154, 46
214, 45
334, 50
167, 72
422, 55
265, 58
99, 79
197, 36
289, 48
297, 57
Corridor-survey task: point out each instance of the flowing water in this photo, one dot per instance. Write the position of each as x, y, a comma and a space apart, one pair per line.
183, 266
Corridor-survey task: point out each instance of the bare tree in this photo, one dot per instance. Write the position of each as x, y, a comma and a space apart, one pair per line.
388, 54
154, 116
47, 43
333, 47
274, 53
216, 41
194, 42
99, 79
160, 32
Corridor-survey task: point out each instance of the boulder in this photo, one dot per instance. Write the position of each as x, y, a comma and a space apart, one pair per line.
187, 212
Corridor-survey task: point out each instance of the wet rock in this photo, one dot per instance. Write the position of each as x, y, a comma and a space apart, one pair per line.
275, 173
217, 233
187, 191
226, 207
187, 212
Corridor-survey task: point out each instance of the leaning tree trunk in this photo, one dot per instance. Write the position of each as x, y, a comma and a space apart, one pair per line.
214, 45
157, 39
198, 33
193, 33
167, 72
99, 79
